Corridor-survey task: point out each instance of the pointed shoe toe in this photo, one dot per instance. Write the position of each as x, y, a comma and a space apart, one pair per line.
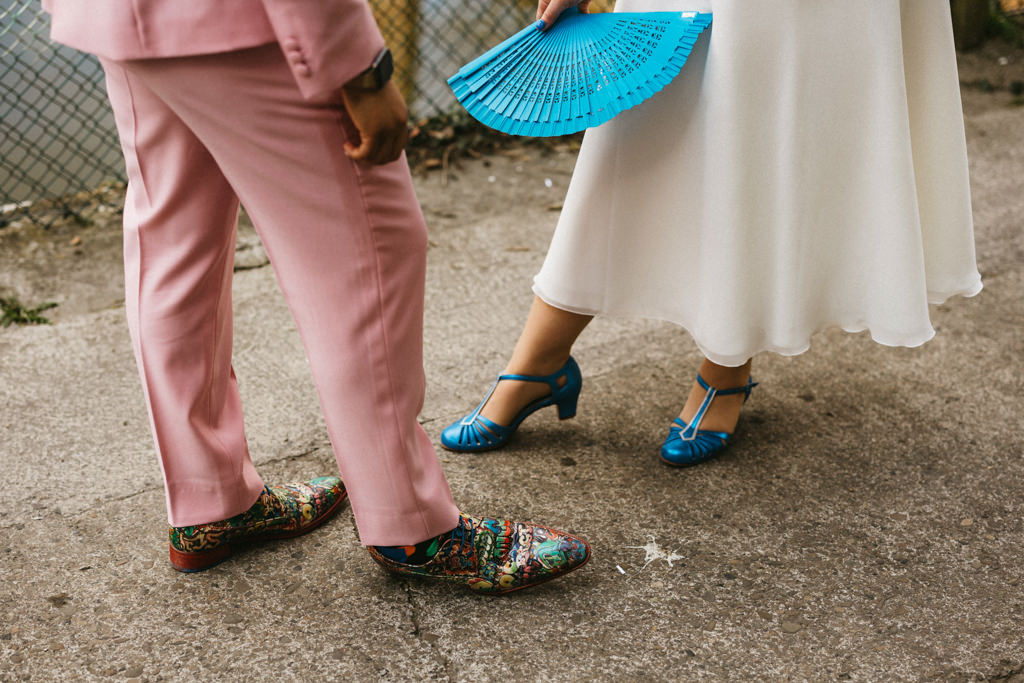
538, 554
479, 434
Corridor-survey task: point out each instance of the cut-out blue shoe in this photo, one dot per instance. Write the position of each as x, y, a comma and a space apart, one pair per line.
688, 444
475, 432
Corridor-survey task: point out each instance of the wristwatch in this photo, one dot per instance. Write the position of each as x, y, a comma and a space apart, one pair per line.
378, 74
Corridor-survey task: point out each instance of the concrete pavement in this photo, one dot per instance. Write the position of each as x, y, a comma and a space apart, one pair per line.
866, 525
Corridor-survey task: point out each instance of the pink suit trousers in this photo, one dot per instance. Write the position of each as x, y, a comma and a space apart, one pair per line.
348, 244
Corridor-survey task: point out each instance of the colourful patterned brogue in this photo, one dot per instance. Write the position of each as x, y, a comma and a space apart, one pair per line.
496, 556
280, 512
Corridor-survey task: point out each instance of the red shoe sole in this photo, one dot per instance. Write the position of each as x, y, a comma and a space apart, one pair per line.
204, 559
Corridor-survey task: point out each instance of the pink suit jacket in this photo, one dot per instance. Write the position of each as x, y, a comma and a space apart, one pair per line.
326, 42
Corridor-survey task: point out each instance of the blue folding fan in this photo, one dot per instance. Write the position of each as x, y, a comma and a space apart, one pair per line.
579, 73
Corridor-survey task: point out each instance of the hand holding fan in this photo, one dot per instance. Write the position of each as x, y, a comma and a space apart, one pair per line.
579, 73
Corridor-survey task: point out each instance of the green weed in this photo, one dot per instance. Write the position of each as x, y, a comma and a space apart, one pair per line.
14, 312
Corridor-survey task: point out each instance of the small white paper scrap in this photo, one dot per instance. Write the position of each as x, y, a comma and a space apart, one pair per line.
621, 570
652, 552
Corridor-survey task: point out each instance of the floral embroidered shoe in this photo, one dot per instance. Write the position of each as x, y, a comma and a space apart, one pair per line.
495, 556
279, 512
688, 444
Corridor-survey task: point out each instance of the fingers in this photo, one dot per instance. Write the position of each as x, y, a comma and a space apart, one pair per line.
379, 119
357, 153
551, 12
552, 9
378, 147
371, 150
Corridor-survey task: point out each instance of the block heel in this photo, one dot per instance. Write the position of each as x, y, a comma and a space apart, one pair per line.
567, 407
198, 561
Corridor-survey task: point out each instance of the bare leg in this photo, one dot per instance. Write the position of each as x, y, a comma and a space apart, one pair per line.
725, 410
543, 348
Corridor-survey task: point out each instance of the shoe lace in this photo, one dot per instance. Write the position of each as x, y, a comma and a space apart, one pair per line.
464, 534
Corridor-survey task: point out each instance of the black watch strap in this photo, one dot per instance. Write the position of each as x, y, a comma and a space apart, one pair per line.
378, 74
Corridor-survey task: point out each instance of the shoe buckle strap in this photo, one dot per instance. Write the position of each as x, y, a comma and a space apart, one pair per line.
551, 380
745, 389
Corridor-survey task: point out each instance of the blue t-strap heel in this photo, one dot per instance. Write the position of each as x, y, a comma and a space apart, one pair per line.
475, 432
688, 444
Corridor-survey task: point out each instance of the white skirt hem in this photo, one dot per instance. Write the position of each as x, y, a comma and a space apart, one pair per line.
902, 339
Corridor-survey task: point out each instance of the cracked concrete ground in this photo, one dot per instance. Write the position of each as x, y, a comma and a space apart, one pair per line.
866, 525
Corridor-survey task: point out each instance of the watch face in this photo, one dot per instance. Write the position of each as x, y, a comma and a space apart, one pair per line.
383, 67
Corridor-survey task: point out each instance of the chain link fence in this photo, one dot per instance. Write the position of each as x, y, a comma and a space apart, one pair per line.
56, 133
58, 146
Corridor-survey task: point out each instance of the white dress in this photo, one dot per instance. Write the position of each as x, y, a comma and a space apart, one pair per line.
806, 169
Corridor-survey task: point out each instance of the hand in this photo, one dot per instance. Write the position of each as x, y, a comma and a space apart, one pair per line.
548, 11
380, 117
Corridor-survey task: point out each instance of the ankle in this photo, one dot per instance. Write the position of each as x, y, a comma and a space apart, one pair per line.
538, 364
723, 376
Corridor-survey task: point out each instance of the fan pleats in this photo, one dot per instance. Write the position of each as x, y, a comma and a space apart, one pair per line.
579, 73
